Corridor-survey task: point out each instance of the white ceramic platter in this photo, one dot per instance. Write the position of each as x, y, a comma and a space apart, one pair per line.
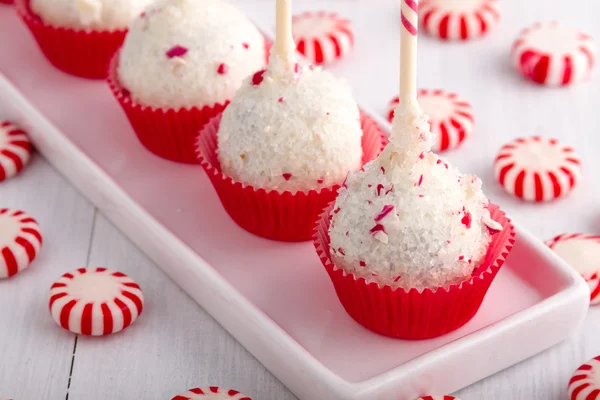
275, 298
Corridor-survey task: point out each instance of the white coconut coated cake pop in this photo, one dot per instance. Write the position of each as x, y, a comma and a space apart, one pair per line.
189, 53
89, 14
410, 219
294, 131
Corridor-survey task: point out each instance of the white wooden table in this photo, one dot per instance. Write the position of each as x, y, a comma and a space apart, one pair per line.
175, 345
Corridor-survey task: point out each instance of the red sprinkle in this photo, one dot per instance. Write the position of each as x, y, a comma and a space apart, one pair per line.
176, 51
379, 187
258, 77
342, 251
246, 45
466, 220
388, 208
223, 68
286, 176
363, 264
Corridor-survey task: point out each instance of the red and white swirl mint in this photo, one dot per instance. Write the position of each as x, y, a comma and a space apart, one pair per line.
20, 241
585, 382
95, 301
552, 54
323, 37
582, 253
459, 19
537, 168
438, 398
450, 116
211, 393
15, 150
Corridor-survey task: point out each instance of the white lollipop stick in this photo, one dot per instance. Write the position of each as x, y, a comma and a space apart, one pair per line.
408, 51
284, 42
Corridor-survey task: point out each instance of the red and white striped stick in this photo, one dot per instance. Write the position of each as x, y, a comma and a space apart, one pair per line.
284, 42
408, 51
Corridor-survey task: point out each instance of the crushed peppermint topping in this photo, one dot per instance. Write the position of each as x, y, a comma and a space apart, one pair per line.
320, 181
492, 226
466, 220
396, 279
362, 264
377, 228
379, 187
281, 100
287, 176
421, 156
223, 68
341, 251
246, 45
337, 210
176, 51
388, 208
461, 258
258, 77
382, 170
439, 161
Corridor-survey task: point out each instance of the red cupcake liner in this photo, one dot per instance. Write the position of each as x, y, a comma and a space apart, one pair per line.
282, 216
6, 2
168, 133
413, 314
85, 54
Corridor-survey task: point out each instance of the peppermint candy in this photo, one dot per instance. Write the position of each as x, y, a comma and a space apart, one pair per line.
20, 241
459, 19
15, 150
450, 116
585, 383
553, 54
95, 301
537, 169
211, 393
322, 37
582, 253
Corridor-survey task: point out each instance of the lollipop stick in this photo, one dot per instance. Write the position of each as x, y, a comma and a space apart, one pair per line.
408, 51
284, 43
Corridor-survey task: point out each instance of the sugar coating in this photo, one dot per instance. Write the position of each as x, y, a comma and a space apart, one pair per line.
411, 220
294, 131
89, 14
186, 53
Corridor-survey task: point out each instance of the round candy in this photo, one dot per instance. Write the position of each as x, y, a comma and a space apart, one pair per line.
585, 383
438, 398
20, 241
211, 393
322, 37
95, 301
582, 252
553, 54
15, 150
537, 169
459, 19
450, 117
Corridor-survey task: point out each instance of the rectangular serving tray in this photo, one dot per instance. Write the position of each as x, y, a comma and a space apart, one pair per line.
275, 298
